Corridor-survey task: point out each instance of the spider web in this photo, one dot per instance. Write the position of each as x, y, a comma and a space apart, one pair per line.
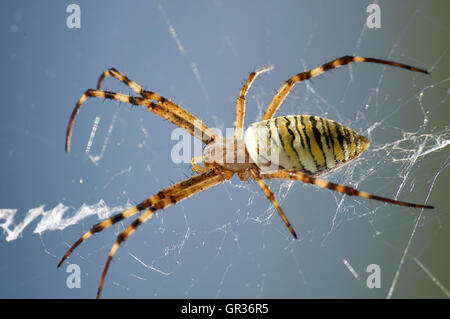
229, 242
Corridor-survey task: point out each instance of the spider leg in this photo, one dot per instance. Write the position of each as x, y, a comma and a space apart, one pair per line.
99, 227
289, 84
152, 107
240, 110
170, 106
191, 186
121, 77
197, 168
272, 199
296, 175
165, 193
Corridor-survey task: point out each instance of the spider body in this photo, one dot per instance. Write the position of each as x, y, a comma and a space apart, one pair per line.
310, 144
296, 147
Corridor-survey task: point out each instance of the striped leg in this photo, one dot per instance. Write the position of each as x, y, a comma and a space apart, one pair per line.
296, 175
191, 185
150, 201
171, 107
272, 199
155, 108
240, 111
289, 84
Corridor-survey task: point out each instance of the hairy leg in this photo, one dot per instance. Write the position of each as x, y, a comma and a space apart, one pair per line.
272, 199
152, 107
299, 176
168, 192
204, 181
208, 134
240, 109
289, 84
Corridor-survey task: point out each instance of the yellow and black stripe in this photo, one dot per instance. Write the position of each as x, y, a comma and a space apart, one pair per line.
306, 143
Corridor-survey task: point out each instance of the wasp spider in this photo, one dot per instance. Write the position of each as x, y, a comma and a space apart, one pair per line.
295, 147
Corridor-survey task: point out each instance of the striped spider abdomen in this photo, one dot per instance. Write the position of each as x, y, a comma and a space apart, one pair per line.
311, 144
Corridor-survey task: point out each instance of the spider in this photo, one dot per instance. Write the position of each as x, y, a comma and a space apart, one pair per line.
295, 147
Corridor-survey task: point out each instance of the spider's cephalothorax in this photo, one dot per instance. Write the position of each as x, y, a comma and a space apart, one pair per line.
230, 154
295, 147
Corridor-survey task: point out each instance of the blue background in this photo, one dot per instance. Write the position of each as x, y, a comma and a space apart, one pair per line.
227, 242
